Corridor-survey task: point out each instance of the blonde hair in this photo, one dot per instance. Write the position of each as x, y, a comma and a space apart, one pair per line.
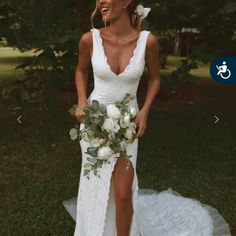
135, 19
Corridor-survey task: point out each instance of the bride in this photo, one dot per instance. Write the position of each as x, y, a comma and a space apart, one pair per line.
113, 205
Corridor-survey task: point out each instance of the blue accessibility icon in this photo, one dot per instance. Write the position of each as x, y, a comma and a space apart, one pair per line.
223, 70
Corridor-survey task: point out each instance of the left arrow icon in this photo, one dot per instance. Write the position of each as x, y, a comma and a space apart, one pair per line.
19, 119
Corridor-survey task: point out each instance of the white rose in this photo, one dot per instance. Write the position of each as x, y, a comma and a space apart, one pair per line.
139, 9
128, 134
104, 153
133, 111
73, 134
113, 111
108, 124
95, 142
116, 127
127, 118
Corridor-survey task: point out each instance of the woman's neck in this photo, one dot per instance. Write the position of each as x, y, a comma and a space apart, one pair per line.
120, 27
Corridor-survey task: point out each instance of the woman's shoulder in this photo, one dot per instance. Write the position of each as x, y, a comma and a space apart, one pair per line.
152, 45
86, 38
86, 41
152, 40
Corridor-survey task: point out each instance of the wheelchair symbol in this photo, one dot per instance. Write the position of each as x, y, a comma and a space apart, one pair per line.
223, 71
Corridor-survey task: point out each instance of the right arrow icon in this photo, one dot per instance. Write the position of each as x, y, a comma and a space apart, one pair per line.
217, 119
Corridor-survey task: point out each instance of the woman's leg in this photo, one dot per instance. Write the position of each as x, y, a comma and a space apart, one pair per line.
123, 180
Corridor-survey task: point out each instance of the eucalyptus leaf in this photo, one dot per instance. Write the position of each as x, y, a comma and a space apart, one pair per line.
87, 165
92, 149
93, 154
95, 104
92, 160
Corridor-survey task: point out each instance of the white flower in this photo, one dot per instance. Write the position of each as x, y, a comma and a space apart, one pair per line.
116, 127
133, 111
139, 9
95, 142
142, 11
104, 153
128, 134
113, 111
127, 118
73, 134
108, 124
111, 125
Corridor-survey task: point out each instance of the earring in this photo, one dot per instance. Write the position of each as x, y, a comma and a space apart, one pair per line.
124, 6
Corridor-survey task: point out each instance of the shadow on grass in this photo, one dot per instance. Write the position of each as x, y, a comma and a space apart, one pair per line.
182, 148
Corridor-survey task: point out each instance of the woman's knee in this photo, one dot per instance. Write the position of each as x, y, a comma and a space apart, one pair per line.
123, 188
123, 197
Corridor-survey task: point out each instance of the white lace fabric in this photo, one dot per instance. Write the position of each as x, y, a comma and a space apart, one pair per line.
166, 213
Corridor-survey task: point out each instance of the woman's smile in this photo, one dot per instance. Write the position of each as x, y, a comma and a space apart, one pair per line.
104, 9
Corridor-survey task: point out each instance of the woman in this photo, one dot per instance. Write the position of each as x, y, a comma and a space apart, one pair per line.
111, 205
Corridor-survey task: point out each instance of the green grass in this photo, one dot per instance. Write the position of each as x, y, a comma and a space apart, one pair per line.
173, 62
182, 148
9, 59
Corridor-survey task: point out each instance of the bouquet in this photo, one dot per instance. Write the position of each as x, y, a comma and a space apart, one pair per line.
108, 129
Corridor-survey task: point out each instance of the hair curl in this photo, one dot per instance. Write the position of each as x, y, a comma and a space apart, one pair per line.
135, 19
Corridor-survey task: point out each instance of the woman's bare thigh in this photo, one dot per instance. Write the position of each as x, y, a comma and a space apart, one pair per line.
123, 179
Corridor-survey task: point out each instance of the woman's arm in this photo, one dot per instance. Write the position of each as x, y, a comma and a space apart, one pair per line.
81, 75
153, 65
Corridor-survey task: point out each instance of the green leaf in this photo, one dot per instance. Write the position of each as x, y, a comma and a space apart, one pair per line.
86, 171
92, 149
87, 165
92, 160
95, 104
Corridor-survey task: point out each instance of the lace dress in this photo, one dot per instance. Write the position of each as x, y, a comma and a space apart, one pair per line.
165, 213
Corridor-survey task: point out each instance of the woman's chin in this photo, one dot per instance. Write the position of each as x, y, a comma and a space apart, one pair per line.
105, 18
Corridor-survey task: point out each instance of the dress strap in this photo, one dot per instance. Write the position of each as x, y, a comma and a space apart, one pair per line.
95, 42
142, 45
140, 50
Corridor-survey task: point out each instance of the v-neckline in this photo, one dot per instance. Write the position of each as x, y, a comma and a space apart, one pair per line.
130, 61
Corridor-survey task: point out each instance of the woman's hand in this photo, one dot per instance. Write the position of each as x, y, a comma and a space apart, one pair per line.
141, 122
79, 111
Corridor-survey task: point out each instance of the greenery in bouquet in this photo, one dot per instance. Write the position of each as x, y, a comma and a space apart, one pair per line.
108, 129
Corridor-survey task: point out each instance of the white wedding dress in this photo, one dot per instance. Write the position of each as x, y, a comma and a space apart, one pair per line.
165, 213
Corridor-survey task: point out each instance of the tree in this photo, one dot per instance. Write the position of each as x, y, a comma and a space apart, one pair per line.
53, 28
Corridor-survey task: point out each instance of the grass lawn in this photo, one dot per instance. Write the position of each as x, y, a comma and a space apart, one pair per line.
9, 59
182, 148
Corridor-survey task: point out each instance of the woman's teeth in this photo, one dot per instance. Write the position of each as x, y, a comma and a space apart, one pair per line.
104, 9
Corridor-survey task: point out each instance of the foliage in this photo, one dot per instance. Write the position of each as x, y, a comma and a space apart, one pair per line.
53, 28
182, 72
54, 35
